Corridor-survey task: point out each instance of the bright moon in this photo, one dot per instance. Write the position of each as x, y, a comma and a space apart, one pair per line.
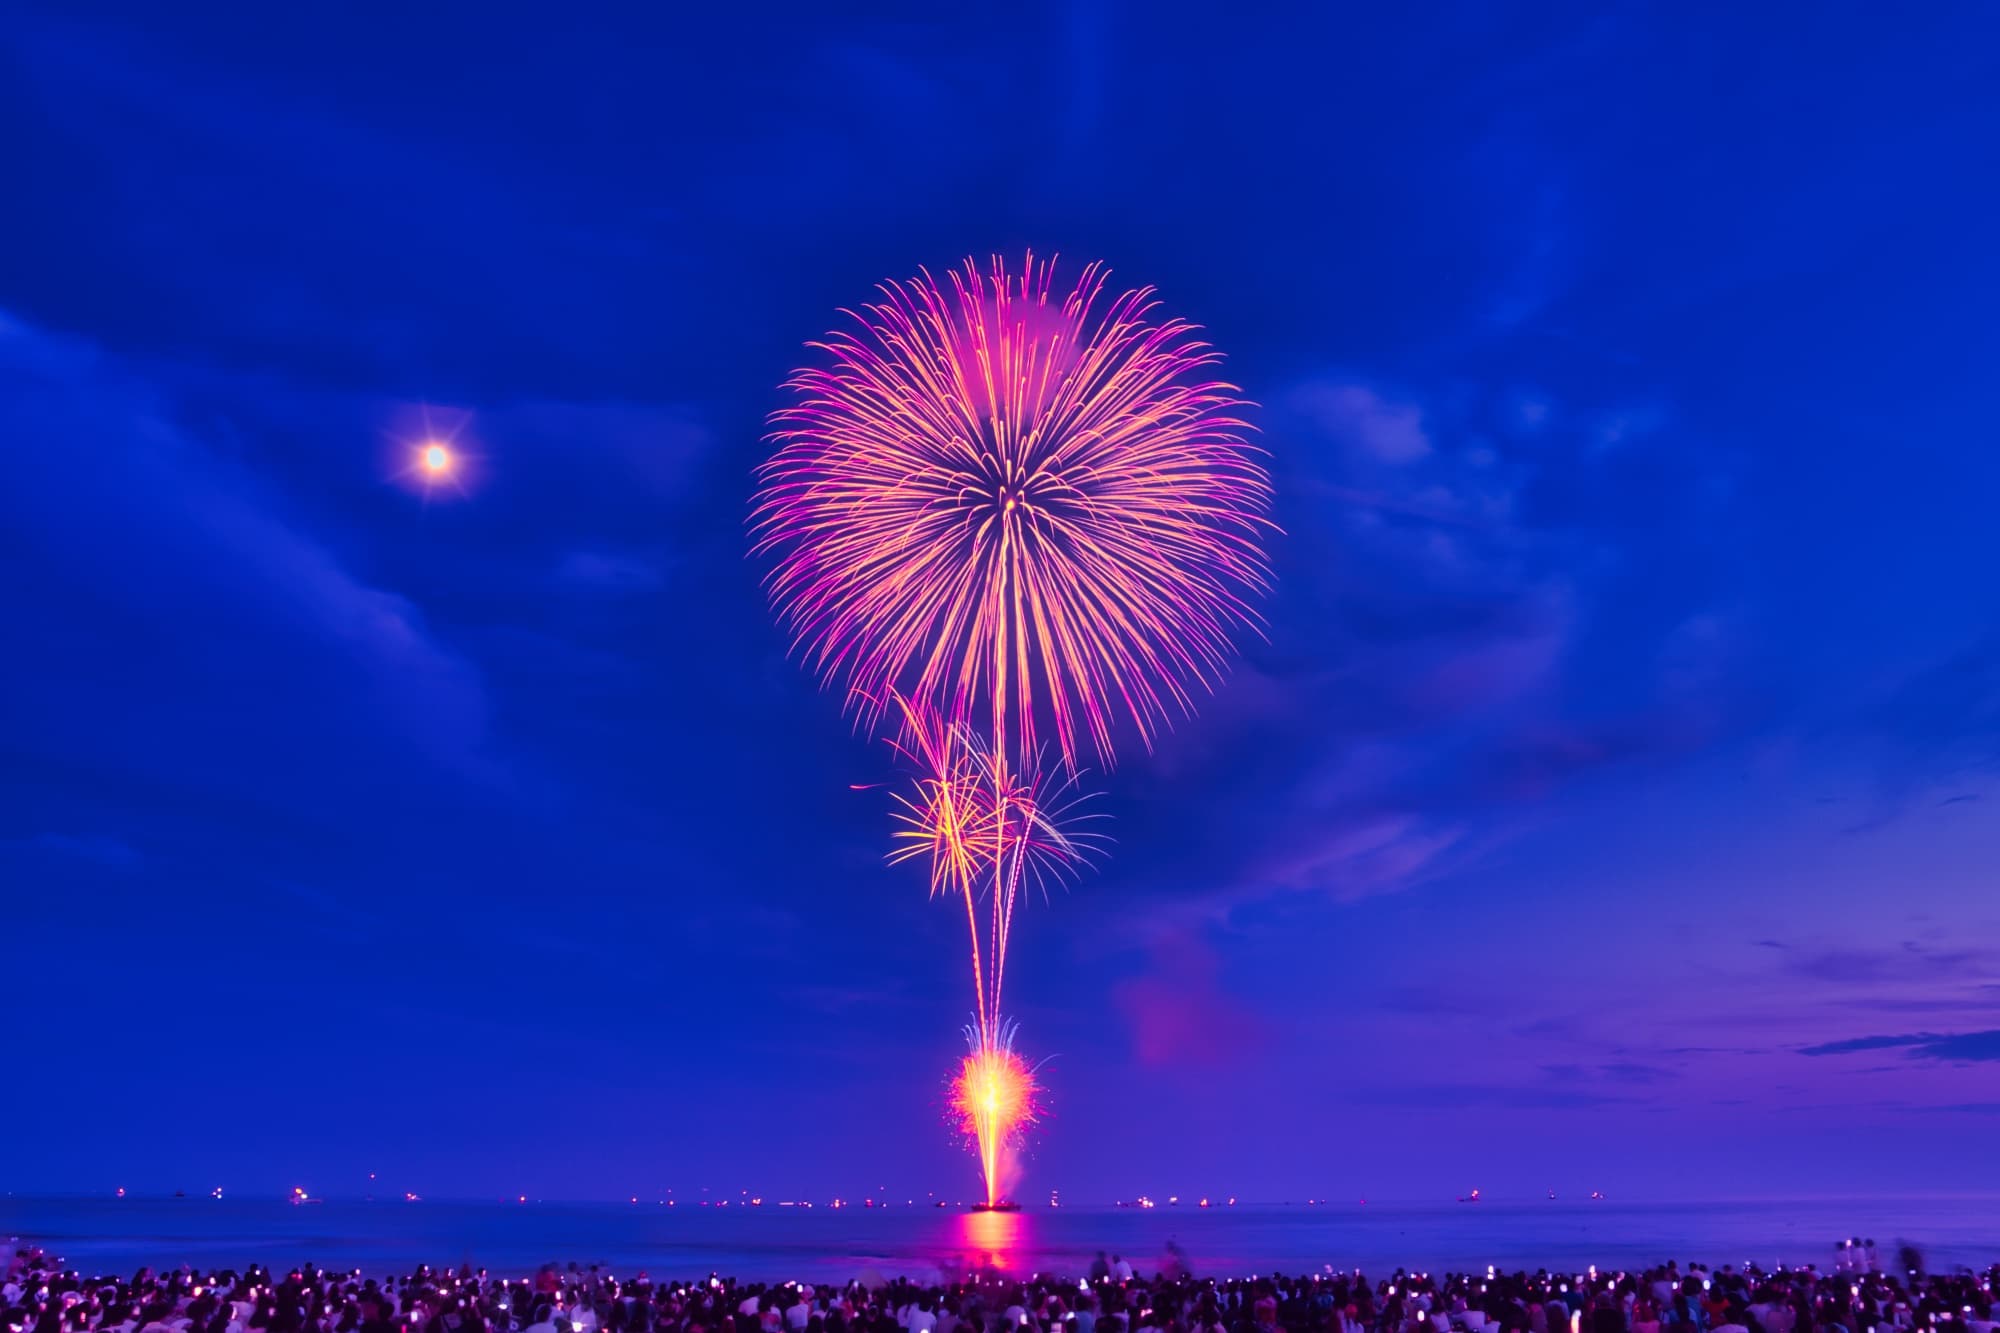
437, 459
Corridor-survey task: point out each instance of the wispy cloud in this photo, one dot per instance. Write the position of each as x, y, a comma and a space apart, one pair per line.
96, 848
1179, 1012
1422, 694
1457, 1096
1387, 429
178, 546
1620, 1071
1938, 726
608, 572
1954, 1047
1910, 961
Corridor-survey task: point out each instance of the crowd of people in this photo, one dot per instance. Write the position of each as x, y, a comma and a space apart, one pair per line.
41, 1296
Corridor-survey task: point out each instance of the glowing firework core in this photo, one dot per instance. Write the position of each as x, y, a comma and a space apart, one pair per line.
995, 1098
436, 459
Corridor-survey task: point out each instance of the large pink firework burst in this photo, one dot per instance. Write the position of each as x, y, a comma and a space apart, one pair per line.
1005, 502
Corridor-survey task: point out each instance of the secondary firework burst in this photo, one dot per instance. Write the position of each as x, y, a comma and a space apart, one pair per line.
988, 829
999, 511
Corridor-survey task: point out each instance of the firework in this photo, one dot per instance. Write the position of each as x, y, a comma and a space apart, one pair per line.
987, 826
1001, 499
994, 1098
983, 823
1001, 509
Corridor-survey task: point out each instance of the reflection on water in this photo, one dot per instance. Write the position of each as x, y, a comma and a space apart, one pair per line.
833, 1245
993, 1241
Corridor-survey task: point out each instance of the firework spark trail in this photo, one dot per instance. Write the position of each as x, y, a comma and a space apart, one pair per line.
997, 500
980, 821
940, 819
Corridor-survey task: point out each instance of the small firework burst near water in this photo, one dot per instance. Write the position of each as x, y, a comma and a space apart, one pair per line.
995, 1098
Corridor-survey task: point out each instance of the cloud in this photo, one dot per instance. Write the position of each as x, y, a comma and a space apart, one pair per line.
387, 284
1385, 429
1371, 854
1973, 1003
1909, 962
608, 572
1451, 646
1436, 999
1963, 1046
1180, 1015
1948, 713
1955, 1047
1628, 1071
99, 849
660, 448
1938, 726
1456, 1096
174, 553
1528, 412
1615, 429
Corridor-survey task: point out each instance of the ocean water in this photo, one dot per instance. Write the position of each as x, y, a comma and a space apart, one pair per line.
825, 1244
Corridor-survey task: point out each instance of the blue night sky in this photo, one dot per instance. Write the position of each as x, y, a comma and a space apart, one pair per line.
1613, 804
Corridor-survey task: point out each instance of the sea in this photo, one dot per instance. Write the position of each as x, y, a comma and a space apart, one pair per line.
823, 1244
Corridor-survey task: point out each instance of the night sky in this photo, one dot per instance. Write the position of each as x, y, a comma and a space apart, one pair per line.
1612, 804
